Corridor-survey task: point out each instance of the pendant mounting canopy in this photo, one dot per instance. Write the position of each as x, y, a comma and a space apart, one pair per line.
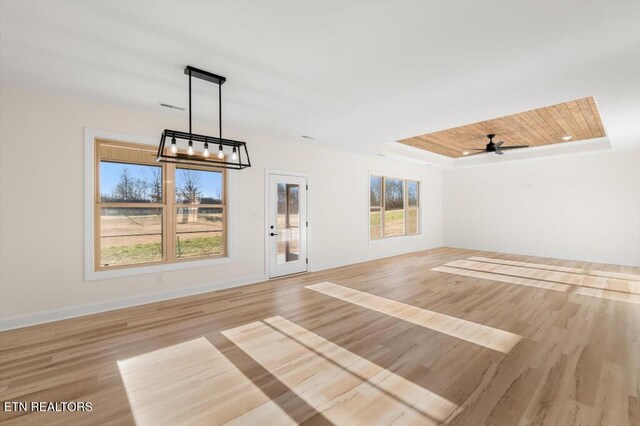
204, 75
237, 156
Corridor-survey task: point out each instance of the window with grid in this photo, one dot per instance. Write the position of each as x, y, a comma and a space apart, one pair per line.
394, 207
150, 213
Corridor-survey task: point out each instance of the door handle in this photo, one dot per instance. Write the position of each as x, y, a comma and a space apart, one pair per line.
272, 234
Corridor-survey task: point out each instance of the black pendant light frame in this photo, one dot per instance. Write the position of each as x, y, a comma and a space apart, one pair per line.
197, 159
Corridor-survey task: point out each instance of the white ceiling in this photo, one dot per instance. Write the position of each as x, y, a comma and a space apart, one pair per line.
354, 75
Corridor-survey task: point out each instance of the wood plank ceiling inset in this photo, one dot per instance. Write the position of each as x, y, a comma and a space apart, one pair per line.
579, 119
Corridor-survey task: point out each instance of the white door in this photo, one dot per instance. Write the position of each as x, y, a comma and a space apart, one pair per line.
287, 225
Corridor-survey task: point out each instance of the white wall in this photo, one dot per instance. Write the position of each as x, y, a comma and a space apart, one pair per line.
41, 212
581, 207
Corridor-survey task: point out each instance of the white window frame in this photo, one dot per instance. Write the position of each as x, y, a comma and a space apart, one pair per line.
90, 274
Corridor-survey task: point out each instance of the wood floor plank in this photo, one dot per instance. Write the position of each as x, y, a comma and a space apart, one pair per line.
446, 336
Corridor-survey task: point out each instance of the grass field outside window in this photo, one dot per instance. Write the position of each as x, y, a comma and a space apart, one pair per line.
394, 208
150, 213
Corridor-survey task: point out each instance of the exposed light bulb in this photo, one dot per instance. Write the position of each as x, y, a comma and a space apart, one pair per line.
205, 153
174, 147
234, 154
190, 149
220, 152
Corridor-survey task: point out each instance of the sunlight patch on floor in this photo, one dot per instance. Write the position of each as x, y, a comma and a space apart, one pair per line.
604, 274
191, 382
345, 387
489, 337
470, 269
591, 281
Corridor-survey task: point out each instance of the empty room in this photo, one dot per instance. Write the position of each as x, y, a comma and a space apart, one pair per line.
319, 212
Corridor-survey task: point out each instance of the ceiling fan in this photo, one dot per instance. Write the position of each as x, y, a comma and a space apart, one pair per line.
493, 147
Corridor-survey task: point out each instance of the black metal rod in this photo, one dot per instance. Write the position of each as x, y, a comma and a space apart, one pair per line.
204, 75
247, 153
190, 101
214, 164
184, 159
220, 110
201, 138
161, 146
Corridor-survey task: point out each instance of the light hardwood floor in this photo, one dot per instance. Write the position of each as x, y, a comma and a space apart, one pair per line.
442, 336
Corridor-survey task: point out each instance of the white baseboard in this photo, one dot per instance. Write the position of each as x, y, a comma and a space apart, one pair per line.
361, 259
550, 255
26, 320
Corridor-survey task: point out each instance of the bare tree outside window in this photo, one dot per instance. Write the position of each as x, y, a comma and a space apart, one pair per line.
129, 188
199, 221
394, 216
131, 183
375, 207
393, 194
155, 185
375, 187
190, 192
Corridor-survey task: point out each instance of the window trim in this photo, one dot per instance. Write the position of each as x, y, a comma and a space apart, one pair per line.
98, 205
405, 179
91, 273
168, 206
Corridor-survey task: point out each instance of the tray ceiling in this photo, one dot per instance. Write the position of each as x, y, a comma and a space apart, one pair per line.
578, 119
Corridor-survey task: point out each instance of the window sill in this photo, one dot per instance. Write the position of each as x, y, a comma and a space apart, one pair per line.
393, 237
153, 269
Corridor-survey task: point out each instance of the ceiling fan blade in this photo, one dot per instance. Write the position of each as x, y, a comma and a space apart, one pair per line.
515, 147
499, 152
499, 143
476, 149
476, 153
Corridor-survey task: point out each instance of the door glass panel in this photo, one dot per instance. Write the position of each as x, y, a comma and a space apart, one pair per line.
288, 224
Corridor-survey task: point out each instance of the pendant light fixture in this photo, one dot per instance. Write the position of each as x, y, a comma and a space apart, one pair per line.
239, 158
